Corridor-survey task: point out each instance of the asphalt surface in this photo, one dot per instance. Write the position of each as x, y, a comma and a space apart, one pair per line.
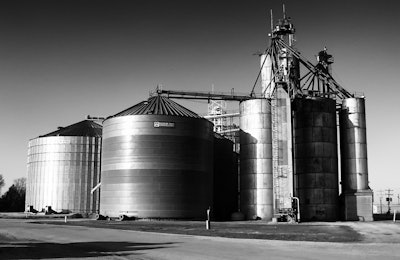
21, 239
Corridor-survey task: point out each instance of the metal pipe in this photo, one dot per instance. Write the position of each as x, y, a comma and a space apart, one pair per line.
284, 11
272, 23
223, 115
208, 223
95, 188
229, 131
202, 95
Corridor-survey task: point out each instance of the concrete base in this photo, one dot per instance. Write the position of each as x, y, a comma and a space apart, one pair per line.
357, 206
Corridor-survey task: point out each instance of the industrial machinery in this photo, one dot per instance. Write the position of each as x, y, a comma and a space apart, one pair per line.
63, 167
161, 160
288, 138
309, 99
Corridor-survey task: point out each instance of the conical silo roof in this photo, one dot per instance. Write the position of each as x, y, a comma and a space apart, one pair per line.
83, 128
158, 105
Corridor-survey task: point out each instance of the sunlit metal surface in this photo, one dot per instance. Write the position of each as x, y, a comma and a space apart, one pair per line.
267, 74
316, 162
353, 145
62, 170
256, 195
156, 166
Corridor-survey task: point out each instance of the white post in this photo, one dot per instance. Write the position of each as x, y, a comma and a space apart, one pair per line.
394, 216
65, 219
208, 226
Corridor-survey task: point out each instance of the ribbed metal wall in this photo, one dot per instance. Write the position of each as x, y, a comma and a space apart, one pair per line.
62, 170
256, 195
225, 179
353, 145
316, 161
156, 166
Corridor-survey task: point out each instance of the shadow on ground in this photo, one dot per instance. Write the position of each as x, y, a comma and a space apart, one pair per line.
32, 250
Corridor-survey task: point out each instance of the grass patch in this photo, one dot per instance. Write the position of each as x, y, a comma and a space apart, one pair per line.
249, 230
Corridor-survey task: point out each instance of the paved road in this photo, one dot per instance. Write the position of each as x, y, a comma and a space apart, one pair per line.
20, 239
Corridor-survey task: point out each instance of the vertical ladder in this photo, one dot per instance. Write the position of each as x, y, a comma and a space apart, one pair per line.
275, 151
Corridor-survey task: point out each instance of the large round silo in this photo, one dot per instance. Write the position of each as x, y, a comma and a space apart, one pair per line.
157, 162
356, 195
256, 183
316, 161
63, 167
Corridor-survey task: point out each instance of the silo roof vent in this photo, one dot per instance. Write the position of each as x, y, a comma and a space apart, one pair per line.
158, 105
83, 128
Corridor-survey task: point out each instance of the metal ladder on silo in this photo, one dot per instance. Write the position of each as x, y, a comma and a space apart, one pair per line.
279, 187
275, 151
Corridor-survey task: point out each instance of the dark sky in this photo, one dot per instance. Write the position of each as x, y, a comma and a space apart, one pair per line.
63, 60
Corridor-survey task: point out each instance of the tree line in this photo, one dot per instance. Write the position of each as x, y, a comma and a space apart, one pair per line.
14, 199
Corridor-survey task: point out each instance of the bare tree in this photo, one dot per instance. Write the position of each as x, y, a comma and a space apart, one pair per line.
2, 182
20, 184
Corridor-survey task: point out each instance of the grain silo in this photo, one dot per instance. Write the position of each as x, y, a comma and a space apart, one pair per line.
256, 182
289, 141
356, 193
157, 162
63, 167
316, 159
225, 201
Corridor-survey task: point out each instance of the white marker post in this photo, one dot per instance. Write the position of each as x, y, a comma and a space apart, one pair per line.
208, 226
394, 216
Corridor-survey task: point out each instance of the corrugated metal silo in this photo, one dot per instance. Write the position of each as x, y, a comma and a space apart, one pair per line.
353, 148
63, 167
256, 183
225, 179
316, 162
157, 162
353, 145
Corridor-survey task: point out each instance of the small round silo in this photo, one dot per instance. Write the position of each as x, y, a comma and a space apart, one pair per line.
63, 166
256, 183
316, 161
356, 194
157, 162
353, 136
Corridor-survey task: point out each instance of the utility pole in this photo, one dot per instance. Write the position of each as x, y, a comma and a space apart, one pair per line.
380, 194
389, 198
